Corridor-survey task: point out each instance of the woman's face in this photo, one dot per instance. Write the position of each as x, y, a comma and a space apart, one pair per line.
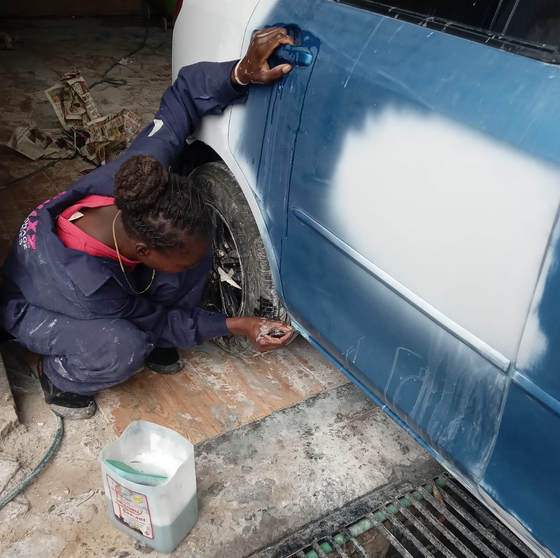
175, 260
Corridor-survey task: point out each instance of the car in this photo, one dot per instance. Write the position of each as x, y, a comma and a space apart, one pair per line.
396, 197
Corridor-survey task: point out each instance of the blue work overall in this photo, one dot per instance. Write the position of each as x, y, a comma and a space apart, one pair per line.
77, 309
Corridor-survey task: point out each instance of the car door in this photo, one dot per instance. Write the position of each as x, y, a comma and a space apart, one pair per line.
262, 135
423, 188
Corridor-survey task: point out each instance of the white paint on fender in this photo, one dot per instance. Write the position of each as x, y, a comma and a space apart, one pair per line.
215, 30
210, 30
458, 218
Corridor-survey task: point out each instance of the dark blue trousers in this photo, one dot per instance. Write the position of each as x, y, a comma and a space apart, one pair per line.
86, 356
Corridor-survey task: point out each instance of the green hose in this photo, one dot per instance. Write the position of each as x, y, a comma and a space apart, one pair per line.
25, 482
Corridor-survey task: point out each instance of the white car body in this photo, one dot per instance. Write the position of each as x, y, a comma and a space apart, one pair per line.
216, 31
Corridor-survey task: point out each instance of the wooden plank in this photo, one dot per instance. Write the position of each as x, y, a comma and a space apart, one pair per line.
216, 392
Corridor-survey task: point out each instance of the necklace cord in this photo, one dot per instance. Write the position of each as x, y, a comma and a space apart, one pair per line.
121, 263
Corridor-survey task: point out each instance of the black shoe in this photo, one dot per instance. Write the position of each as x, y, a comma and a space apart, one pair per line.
164, 360
63, 403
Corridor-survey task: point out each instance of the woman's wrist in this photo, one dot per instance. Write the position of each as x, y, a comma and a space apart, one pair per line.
238, 77
237, 326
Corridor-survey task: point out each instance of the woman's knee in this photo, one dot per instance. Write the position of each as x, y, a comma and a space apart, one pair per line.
118, 351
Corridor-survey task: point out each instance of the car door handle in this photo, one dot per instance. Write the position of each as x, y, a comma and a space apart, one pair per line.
297, 55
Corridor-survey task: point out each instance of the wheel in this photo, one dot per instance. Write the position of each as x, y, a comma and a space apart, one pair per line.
240, 282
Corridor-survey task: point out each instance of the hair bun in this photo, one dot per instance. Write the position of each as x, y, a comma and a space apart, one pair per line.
139, 182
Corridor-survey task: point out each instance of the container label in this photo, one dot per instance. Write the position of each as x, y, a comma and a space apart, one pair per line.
131, 508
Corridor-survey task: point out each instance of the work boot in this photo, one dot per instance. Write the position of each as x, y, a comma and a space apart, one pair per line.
164, 360
63, 403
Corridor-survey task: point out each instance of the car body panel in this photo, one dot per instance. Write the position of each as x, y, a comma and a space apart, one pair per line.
215, 31
522, 474
446, 393
407, 185
262, 155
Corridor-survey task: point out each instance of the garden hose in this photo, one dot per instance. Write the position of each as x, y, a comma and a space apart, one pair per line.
25, 482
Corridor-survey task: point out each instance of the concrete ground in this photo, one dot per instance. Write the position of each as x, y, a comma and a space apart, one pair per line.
257, 483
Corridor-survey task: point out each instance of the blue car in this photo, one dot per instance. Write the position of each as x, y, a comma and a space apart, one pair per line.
397, 195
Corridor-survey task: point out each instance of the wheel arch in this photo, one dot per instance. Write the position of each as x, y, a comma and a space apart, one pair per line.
194, 39
199, 152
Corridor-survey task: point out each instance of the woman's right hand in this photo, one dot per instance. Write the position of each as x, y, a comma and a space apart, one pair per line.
254, 67
258, 331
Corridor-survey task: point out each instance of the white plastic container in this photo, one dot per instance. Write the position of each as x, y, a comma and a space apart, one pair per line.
159, 516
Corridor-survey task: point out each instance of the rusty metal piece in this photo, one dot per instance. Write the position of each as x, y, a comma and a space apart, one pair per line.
477, 525
337, 548
489, 518
425, 531
409, 535
439, 498
320, 552
357, 546
442, 528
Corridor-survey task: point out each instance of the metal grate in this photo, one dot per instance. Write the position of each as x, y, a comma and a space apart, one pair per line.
438, 520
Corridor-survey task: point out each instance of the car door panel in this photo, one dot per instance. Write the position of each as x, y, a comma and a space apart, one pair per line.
262, 136
444, 391
521, 476
405, 155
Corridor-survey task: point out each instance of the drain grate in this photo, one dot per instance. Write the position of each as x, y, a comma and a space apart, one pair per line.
438, 520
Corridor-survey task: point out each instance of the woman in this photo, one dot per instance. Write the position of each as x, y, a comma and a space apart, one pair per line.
111, 272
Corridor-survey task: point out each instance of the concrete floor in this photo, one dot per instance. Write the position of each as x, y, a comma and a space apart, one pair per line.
258, 482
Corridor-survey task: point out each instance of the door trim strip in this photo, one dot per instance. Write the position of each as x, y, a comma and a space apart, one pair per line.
482, 348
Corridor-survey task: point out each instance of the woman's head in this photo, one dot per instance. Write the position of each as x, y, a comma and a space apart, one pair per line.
164, 214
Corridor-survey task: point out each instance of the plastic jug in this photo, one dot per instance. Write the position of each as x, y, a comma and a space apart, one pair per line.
159, 516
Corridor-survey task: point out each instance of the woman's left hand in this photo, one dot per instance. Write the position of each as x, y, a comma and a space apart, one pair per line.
254, 67
266, 335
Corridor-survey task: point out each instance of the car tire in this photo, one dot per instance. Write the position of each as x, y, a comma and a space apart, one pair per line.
239, 252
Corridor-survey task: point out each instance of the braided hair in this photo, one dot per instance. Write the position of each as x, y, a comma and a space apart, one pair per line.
158, 207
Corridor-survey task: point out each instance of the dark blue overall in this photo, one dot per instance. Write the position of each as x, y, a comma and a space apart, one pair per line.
77, 309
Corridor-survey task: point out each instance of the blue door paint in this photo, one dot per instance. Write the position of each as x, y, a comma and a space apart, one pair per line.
522, 476
269, 122
442, 389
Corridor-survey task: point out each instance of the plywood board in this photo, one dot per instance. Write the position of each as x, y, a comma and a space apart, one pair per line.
216, 392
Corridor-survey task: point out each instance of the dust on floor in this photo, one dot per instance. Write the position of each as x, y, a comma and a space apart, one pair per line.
256, 484
216, 392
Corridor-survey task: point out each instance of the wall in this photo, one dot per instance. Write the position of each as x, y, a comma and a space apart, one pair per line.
63, 8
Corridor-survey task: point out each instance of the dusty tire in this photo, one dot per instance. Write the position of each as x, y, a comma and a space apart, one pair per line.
237, 238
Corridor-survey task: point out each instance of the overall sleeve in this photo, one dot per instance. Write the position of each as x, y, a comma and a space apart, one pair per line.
180, 327
199, 90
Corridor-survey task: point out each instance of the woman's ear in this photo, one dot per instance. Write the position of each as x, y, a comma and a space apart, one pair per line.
141, 249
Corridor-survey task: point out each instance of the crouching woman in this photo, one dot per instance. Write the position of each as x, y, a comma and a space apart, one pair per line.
110, 273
